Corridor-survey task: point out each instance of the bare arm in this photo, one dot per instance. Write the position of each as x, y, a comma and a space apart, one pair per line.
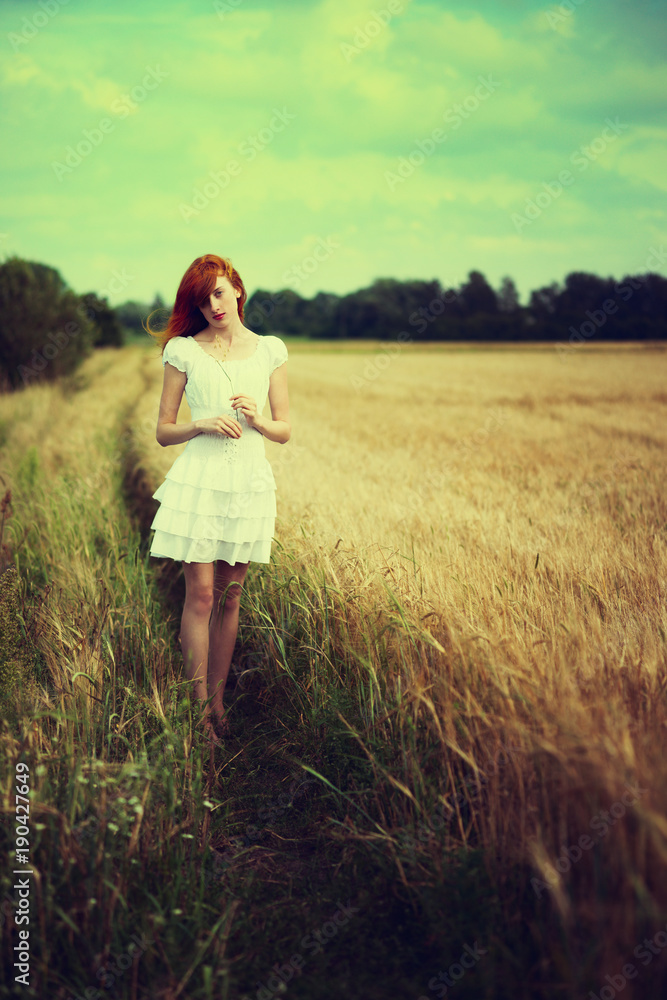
278, 428
172, 392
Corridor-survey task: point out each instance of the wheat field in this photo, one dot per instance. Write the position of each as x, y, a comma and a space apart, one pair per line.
467, 580
513, 496
512, 503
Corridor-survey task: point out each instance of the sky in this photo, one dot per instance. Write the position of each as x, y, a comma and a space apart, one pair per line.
322, 144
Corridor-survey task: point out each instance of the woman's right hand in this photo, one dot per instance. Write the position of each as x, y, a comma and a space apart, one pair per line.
227, 426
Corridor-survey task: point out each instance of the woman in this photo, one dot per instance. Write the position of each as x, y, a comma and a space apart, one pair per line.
217, 502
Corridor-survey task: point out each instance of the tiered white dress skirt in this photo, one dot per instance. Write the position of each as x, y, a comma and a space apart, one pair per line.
218, 501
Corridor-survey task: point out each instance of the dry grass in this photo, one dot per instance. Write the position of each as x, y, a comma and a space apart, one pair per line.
443, 475
469, 569
450, 473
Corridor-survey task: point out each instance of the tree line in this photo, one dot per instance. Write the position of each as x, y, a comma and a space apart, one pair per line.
46, 329
585, 306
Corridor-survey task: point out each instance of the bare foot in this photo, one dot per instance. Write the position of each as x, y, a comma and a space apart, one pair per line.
212, 736
220, 721
210, 732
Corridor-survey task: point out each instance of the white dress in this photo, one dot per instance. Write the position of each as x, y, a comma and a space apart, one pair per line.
218, 499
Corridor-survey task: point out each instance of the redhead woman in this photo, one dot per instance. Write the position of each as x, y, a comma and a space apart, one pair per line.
217, 502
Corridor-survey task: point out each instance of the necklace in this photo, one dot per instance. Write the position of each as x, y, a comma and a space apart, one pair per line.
218, 343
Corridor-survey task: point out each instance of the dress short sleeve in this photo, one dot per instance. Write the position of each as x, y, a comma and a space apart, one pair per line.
277, 354
176, 353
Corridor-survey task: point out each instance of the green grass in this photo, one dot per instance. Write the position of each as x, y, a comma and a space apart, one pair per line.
135, 830
193, 872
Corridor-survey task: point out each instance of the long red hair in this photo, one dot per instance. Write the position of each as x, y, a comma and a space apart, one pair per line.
196, 285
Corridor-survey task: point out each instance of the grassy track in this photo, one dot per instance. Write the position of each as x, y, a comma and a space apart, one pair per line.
453, 670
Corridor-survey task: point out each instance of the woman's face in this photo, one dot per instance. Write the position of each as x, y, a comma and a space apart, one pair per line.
221, 307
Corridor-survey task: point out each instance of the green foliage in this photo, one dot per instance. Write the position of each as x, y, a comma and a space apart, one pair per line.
44, 332
132, 316
220, 863
10, 634
425, 310
28, 470
108, 329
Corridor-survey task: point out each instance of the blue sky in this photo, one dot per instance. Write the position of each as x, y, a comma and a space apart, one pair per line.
322, 144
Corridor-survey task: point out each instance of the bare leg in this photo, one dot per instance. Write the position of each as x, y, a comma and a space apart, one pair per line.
223, 628
194, 627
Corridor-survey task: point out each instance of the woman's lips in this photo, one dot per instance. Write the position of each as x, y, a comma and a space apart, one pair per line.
218, 315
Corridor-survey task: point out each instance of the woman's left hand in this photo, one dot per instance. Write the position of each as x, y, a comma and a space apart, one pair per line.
247, 406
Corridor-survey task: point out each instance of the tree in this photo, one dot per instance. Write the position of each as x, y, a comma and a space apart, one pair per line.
582, 291
320, 315
282, 312
478, 296
108, 331
543, 301
44, 328
508, 296
131, 315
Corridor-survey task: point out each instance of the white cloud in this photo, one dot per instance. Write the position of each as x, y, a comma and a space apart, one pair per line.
57, 75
